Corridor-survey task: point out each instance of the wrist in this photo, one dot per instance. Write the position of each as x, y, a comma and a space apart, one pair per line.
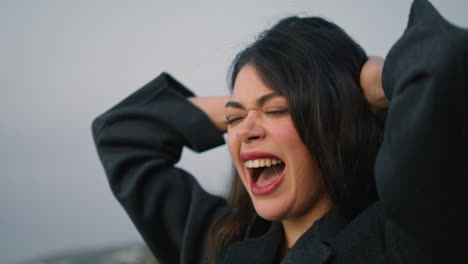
213, 107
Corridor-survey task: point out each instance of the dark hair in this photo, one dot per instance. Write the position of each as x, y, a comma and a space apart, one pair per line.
316, 66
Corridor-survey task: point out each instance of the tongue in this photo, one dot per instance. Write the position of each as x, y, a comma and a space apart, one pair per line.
269, 175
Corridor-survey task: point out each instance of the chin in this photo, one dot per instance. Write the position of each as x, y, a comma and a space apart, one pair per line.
269, 210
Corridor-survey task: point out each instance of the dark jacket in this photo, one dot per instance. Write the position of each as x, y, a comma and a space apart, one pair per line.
421, 172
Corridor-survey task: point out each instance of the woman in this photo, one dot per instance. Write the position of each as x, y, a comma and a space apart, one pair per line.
303, 141
312, 119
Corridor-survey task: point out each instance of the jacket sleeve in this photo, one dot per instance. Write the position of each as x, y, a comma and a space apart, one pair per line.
421, 170
139, 141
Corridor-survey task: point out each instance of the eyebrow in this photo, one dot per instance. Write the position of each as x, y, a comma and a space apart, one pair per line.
260, 101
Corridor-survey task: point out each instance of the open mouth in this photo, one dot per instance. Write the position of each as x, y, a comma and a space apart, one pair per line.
264, 172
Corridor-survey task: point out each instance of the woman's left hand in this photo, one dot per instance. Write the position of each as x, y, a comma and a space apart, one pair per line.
371, 84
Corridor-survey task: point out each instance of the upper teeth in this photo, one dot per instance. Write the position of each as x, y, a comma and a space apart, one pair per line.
257, 163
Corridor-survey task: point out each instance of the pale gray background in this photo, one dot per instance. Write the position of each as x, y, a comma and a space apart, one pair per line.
63, 62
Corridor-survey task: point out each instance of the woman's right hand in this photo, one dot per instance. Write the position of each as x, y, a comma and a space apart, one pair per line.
213, 108
371, 84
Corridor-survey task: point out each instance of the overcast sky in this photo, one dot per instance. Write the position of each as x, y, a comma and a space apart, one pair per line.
63, 62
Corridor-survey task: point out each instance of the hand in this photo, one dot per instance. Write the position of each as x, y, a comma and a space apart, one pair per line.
213, 108
371, 84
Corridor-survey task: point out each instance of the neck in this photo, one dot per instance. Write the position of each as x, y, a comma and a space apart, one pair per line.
294, 227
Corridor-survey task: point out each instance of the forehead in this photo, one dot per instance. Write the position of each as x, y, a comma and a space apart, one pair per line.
249, 85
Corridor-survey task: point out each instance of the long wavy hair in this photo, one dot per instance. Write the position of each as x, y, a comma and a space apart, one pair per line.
316, 66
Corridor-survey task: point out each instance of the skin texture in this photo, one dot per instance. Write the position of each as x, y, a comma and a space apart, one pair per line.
302, 197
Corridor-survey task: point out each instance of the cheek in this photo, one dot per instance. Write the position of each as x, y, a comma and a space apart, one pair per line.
286, 133
234, 150
311, 185
233, 146
304, 166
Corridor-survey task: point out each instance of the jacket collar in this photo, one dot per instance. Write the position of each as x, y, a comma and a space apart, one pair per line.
264, 239
258, 250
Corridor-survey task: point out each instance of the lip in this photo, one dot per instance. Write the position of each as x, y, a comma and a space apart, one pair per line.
263, 190
257, 155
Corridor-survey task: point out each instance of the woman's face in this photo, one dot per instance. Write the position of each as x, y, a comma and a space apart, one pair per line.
277, 170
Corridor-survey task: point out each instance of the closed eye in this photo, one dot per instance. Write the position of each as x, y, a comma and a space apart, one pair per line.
277, 112
232, 120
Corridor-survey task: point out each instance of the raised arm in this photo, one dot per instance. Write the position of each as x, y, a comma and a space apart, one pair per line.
139, 141
421, 171
213, 108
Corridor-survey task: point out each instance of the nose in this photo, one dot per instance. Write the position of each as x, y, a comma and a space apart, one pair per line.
251, 128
